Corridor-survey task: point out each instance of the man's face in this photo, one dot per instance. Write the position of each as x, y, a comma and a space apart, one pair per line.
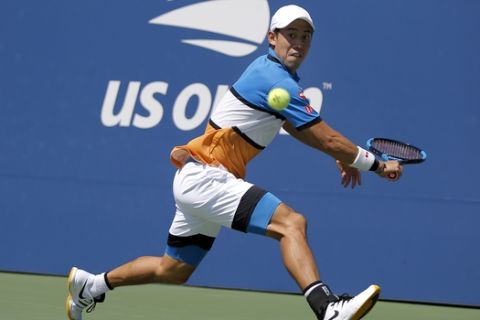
291, 44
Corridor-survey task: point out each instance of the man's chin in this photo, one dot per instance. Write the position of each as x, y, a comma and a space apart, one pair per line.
293, 65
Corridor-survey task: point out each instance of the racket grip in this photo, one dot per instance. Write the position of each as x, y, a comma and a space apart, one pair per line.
392, 176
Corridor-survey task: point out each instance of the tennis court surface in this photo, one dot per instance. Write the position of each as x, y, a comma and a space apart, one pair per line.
42, 297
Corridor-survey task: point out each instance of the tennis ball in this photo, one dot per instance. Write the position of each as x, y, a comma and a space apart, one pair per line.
278, 99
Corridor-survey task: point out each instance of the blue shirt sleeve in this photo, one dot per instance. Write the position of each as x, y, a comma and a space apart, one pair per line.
299, 111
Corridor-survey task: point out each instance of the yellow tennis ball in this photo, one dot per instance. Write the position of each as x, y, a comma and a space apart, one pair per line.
278, 98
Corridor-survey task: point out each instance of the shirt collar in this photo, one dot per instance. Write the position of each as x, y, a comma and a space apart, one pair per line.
272, 55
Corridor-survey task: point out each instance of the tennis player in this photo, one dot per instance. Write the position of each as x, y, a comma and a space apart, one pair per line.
210, 190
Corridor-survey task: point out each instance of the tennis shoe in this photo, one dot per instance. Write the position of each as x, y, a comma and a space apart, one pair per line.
352, 308
74, 312
79, 296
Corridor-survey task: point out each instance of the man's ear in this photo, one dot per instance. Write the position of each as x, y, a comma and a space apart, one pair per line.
272, 38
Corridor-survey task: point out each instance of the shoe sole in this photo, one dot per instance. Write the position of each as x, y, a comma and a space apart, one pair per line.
68, 302
368, 304
71, 275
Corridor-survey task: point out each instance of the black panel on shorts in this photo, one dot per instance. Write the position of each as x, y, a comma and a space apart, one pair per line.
199, 240
245, 208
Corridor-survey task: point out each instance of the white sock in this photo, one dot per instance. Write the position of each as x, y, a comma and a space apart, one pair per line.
99, 285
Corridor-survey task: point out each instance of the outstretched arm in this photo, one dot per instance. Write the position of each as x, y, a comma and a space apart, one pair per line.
326, 139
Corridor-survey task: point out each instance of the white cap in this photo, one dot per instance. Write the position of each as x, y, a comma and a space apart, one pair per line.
287, 14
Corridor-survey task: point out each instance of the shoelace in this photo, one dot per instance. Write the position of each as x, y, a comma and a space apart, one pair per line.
343, 298
92, 306
333, 299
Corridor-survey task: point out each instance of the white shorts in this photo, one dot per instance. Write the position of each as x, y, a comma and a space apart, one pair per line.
208, 198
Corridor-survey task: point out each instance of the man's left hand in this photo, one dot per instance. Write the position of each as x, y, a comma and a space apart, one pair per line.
350, 176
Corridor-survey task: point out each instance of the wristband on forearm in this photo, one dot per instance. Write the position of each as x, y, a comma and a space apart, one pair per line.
365, 161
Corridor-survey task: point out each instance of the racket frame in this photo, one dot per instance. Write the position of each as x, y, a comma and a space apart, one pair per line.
387, 157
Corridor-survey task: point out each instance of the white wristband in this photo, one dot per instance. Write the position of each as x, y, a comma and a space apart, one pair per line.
364, 160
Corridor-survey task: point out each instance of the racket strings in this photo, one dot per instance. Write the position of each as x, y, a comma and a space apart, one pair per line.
398, 150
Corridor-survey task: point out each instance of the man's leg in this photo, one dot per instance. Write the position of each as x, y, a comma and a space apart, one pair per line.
289, 228
191, 235
86, 289
150, 270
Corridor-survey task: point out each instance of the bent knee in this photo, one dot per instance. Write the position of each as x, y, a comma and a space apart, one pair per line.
287, 222
297, 222
173, 271
179, 279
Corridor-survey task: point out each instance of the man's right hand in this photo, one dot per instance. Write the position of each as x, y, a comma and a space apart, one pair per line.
392, 170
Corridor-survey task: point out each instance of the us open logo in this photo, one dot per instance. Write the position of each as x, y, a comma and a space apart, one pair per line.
234, 28
244, 21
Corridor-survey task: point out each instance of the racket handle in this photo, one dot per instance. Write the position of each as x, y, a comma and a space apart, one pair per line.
393, 176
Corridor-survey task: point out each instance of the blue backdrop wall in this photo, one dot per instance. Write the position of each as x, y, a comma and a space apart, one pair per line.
94, 94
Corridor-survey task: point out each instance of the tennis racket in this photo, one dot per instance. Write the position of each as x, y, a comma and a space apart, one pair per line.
389, 149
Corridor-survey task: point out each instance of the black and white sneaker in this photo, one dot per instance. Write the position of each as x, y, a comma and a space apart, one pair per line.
352, 308
79, 296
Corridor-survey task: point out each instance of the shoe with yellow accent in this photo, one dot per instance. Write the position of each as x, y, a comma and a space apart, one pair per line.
352, 308
73, 311
79, 296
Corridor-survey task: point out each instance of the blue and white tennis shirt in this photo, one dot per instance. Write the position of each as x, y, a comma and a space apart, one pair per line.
243, 124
